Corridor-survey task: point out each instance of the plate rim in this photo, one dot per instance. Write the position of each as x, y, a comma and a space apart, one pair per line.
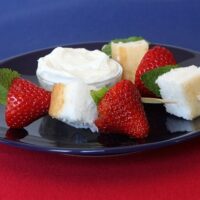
106, 151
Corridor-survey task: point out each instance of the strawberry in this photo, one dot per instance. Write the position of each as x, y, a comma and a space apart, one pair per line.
26, 102
121, 111
155, 57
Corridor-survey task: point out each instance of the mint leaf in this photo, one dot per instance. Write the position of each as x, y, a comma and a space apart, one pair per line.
6, 78
97, 95
129, 39
3, 95
150, 77
107, 47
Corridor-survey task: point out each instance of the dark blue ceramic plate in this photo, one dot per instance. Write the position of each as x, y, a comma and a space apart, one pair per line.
50, 135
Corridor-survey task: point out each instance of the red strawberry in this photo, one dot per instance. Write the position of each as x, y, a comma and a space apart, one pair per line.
154, 58
26, 102
121, 111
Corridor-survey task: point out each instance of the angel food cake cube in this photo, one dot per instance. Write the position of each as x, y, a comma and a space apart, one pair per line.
181, 85
72, 104
129, 55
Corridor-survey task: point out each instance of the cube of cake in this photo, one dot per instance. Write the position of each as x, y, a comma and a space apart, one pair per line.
72, 104
180, 125
181, 85
129, 55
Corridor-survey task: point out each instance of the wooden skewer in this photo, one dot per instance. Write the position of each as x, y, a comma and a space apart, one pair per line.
150, 100
156, 100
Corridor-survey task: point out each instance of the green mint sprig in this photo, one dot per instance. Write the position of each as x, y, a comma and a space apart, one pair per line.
6, 78
97, 95
107, 47
149, 78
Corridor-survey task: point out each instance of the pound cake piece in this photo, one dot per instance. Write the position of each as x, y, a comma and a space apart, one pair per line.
72, 104
129, 55
181, 85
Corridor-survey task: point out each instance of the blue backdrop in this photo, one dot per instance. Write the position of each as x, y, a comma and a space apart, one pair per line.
27, 25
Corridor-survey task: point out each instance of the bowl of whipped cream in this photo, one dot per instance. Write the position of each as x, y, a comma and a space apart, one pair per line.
63, 65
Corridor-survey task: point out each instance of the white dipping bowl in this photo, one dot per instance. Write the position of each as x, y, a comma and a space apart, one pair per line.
48, 85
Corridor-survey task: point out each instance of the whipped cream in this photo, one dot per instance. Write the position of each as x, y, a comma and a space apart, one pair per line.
64, 64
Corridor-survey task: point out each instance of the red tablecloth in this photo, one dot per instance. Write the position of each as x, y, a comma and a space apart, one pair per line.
168, 173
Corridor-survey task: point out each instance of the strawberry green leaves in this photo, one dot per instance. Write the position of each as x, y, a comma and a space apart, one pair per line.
150, 77
107, 47
6, 78
97, 95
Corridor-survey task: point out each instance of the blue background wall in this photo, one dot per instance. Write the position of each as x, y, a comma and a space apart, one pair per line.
33, 24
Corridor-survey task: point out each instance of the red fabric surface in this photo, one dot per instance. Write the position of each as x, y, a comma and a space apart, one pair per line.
168, 173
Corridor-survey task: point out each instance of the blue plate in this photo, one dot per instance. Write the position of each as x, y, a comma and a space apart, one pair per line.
50, 135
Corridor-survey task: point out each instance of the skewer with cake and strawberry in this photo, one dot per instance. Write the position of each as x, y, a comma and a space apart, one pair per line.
148, 74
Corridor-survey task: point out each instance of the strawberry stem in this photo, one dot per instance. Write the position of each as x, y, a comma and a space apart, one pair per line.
97, 95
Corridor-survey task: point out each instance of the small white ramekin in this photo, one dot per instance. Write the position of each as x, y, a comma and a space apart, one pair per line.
48, 85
